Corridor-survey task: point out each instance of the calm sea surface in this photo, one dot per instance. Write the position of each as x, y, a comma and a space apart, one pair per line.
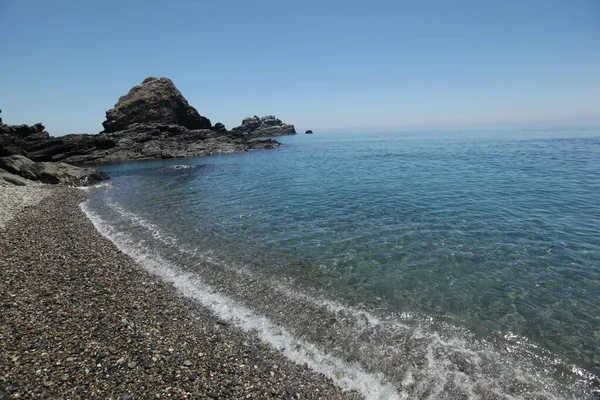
405, 265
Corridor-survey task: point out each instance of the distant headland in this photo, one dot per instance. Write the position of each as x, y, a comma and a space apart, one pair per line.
152, 121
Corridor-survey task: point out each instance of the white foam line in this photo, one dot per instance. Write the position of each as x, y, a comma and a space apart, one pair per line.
149, 226
346, 376
88, 189
284, 289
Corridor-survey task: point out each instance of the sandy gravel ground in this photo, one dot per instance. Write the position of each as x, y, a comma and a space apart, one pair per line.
13, 199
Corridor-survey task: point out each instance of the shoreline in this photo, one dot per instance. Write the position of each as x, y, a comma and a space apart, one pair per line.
81, 319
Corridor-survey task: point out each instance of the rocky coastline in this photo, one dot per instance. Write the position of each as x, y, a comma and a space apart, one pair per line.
152, 121
81, 320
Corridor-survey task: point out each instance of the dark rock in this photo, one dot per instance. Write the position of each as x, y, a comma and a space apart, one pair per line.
265, 126
152, 121
14, 138
264, 144
155, 100
219, 127
137, 142
308, 132
51, 172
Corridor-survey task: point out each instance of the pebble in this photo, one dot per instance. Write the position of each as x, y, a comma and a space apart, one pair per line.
72, 302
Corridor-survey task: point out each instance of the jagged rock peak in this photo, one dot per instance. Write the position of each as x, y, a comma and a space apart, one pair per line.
266, 126
155, 100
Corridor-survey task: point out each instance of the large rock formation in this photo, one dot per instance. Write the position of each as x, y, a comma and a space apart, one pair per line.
254, 127
152, 121
14, 169
155, 100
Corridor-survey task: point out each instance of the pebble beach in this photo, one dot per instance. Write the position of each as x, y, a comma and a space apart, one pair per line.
79, 319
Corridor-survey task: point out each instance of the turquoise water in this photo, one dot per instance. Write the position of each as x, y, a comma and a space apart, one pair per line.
474, 257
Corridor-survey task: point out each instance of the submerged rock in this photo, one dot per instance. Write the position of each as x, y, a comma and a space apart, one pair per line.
266, 126
47, 172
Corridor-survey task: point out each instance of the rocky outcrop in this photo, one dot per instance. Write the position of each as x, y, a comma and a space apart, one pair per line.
152, 121
137, 142
155, 100
254, 127
15, 138
14, 169
308, 132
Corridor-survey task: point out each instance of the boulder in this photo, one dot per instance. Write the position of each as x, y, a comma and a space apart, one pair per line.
219, 127
155, 100
59, 172
50, 172
266, 126
7, 179
308, 132
19, 165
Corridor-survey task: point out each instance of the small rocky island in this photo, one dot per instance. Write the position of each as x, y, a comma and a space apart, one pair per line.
308, 132
254, 127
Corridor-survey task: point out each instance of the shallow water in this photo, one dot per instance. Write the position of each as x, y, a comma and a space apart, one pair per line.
433, 264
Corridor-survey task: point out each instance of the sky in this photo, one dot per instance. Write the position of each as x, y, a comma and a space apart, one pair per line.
321, 65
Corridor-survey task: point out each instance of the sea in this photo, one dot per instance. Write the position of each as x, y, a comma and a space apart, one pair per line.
424, 264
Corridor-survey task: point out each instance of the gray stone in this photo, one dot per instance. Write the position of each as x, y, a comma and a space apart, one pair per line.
6, 178
51, 172
19, 165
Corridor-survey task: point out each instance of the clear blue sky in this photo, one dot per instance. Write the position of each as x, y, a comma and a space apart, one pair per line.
322, 64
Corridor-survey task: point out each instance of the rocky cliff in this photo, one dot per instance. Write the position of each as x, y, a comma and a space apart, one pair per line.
254, 127
152, 121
